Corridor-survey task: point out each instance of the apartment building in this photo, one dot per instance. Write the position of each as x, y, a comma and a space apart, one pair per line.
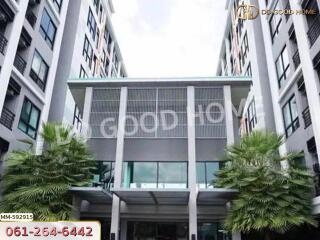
30, 41
89, 50
285, 50
154, 180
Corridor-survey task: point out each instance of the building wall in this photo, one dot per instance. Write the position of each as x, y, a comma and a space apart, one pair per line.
13, 32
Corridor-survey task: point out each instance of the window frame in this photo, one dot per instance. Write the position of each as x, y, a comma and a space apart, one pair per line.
294, 123
34, 75
77, 118
252, 115
275, 26
87, 51
83, 73
27, 122
58, 4
92, 24
284, 75
44, 29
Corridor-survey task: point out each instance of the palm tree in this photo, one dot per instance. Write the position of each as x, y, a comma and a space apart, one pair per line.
39, 183
271, 198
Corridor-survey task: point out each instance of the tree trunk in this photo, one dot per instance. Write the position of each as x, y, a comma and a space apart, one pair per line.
267, 235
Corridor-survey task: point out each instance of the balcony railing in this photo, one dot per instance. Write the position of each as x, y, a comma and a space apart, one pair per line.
32, 19
296, 59
20, 63
3, 43
306, 117
7, 118
314, 30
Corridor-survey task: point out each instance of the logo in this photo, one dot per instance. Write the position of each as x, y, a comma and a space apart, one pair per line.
247, 12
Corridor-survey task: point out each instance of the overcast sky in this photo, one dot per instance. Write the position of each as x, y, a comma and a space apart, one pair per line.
163, 38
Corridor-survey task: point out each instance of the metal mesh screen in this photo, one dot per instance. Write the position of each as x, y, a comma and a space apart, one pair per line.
158, 113
209, 108
105, 112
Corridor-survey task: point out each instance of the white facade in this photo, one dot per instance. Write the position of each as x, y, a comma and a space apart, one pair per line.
284, 52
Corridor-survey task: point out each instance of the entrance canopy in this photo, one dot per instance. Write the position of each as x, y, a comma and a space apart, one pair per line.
216, 195
92, 194
153, 196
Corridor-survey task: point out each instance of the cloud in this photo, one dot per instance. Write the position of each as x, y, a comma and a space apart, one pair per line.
163, 38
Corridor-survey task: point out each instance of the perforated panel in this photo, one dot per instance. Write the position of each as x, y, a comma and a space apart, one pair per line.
209, 108
105, 112
158, 113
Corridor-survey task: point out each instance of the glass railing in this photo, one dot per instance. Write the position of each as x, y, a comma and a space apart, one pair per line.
165, 175
206, 173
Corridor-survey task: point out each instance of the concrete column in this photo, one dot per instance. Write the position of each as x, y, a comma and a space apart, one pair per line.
192, 163
76, 203
228, 114
309, 74
273, 78
13, 36
115, 216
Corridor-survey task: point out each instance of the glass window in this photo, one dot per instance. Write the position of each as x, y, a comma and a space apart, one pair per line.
274, 24
282, 66
87, 51
208, 231
140, 175
103, 176
248, 72
290, 116
57, 4
83, 73
252, 115
77, 118
206, 173
39, 70
92, 25
48, 29
172, 175
29, 118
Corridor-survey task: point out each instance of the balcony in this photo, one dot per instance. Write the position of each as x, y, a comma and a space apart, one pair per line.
3, 43
7, 118
20, 63
306, 117
314, 30
296, 59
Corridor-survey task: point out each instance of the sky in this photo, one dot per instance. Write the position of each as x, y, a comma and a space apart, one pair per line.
169, 38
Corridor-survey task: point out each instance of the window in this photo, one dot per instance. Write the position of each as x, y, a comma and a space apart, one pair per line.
106, 66
248, 72
29, 119
48, 29
244, 48
98, 36
96, 5
290, 116
251, 115
77, 116
274, 24
155, 175
83, 73
103, 175
103, 58
283, 66
87, 51
39, 70
109, 44
92, 25
57, 4
206, 173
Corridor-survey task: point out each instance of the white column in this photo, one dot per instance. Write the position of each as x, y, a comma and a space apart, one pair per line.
14, 30
228, 114
76, 203
309, 74
273, 79
192, 163
115, 216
